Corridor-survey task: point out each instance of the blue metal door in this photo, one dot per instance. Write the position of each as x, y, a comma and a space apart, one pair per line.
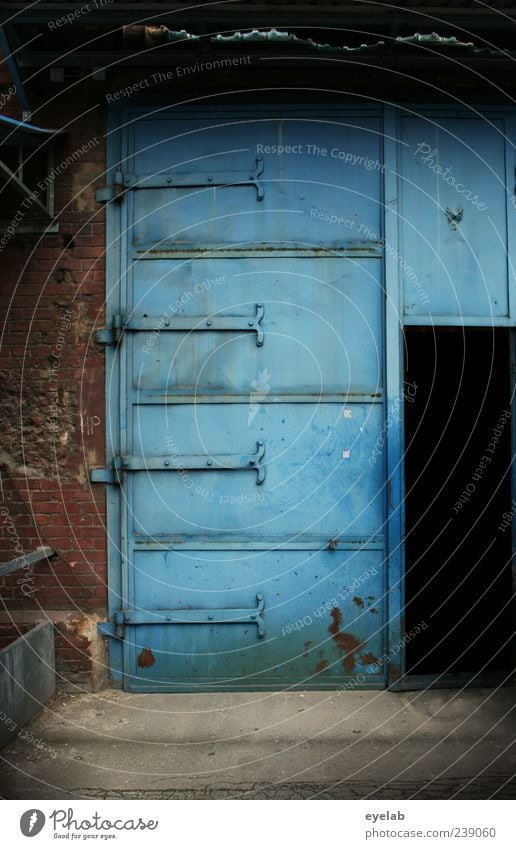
249, 350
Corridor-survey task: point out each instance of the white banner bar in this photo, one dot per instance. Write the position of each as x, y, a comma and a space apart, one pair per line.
350, 824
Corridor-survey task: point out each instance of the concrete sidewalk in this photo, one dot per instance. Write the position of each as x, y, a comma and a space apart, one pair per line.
340, 745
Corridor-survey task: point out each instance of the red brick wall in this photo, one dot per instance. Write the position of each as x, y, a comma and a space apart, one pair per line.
52, 402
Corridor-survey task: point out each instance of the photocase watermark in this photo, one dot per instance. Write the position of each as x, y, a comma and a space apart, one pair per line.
5, 96
345, 156
27, 580
377, 665
22, 734
430, 156
332, 218
409, 392
330, 605
67, 821
42, 186
174, 74
483, 464
66, 824
71, 17
260, 390
32, 822
53, 374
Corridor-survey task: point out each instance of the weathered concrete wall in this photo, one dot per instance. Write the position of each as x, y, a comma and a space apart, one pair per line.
27, 679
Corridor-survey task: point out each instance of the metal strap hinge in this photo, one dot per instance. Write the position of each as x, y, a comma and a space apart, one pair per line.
186, 616
191, 462
180, 179
106, 629
114, 191
111, 335
121, 324
102, 476
196, 179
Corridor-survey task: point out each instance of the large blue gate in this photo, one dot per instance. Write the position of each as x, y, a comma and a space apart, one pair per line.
246, 393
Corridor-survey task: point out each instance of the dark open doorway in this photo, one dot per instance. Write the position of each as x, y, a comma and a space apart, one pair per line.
458, 487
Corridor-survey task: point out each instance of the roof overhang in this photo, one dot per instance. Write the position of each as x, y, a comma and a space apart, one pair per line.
364, 37
368, 14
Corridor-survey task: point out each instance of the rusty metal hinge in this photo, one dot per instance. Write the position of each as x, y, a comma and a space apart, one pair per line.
186, 616
153, 324
113, 191
190, 462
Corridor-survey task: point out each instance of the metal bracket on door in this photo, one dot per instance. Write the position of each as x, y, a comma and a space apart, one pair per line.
453, 216
186, 180
187, 616
111, 192
187, 462
121, 324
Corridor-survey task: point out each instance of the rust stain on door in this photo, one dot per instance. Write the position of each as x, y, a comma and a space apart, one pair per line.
146, 658
347, 643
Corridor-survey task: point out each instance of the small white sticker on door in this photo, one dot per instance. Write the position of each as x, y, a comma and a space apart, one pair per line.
346, 454
347, 414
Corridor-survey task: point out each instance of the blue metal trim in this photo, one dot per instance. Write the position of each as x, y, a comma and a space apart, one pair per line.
394, 391
14, 73
207, 396
510, 162
223, 543
112, 383
365, 249
458, 321
512, 343
25, 130
133, 684
124, 415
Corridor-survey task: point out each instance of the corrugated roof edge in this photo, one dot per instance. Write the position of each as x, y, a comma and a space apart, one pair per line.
275, 36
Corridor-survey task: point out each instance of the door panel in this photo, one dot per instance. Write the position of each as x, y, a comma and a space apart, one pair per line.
318, 476
321, 324
327, 168
301, 640
454, 266
252, 422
